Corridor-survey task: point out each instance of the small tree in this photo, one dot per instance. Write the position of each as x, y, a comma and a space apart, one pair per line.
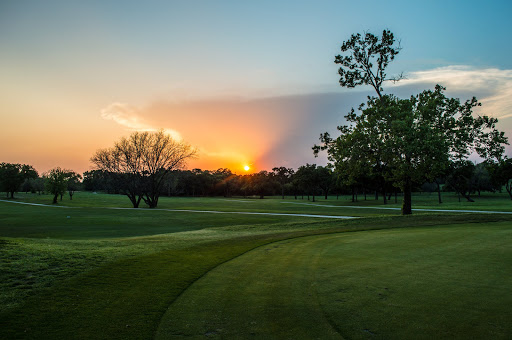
56, 182
74, 183
283, 176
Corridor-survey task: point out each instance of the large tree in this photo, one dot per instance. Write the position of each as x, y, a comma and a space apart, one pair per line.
13, 175
142, 162
406, 139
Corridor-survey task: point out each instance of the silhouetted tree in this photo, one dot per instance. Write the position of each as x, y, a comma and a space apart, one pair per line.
13, 175
56, 181
501, 174
73, 183
142, 162
460, 178
283, 176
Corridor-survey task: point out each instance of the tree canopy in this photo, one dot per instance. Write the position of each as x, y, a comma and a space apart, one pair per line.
403, 140
141, 162
13, 175
56, 181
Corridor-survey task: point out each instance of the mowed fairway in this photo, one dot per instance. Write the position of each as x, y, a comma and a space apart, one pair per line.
85, 271
443, 282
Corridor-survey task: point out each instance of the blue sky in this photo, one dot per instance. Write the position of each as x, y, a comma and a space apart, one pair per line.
69, 64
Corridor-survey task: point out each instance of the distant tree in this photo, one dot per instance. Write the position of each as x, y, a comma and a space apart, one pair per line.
12, 176
283, 176
261, 183
73, 183
460, 178
481, 180
501, 174
324, 179
307, 179
225, 181
39, 185
56, 181
96, 180
142, 162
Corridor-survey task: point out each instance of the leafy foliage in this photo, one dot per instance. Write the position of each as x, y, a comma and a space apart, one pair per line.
403, 140
365, 58
13, 175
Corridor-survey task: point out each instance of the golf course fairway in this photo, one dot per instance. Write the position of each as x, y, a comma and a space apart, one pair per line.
432, 282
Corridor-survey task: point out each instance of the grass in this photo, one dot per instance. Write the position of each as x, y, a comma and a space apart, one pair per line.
442, 282
104, 273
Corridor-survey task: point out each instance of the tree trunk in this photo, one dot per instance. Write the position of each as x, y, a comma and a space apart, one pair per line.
508, 187
407, 201
467, 196
313, 197
439, 192
55, 197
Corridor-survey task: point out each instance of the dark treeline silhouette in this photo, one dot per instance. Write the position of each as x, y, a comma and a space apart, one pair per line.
307, 182
310, 181
22, 177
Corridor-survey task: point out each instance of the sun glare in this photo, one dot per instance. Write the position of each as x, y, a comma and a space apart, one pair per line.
247, 168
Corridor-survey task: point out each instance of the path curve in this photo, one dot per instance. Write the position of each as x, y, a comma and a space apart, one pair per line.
195, 211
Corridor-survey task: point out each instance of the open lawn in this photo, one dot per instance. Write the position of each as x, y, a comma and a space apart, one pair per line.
85, 271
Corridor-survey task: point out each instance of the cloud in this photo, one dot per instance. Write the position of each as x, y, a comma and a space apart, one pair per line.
131, 118
492, 86
280, 130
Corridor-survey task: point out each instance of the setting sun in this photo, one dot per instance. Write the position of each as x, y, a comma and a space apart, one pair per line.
247, 168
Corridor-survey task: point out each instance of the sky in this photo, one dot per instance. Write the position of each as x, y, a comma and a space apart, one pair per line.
246, 82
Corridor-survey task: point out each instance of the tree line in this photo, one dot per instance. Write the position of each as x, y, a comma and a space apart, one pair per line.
307, 182
15, 177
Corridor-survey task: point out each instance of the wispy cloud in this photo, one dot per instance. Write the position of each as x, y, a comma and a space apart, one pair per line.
131, 118
492, 86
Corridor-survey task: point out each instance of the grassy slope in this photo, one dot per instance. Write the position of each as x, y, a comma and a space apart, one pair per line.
106, 268
449, 282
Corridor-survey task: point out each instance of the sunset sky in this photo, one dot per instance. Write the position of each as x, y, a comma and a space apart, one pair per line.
246, 82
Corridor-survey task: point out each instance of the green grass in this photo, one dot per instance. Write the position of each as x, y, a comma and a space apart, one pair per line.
442, 282
104, 273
